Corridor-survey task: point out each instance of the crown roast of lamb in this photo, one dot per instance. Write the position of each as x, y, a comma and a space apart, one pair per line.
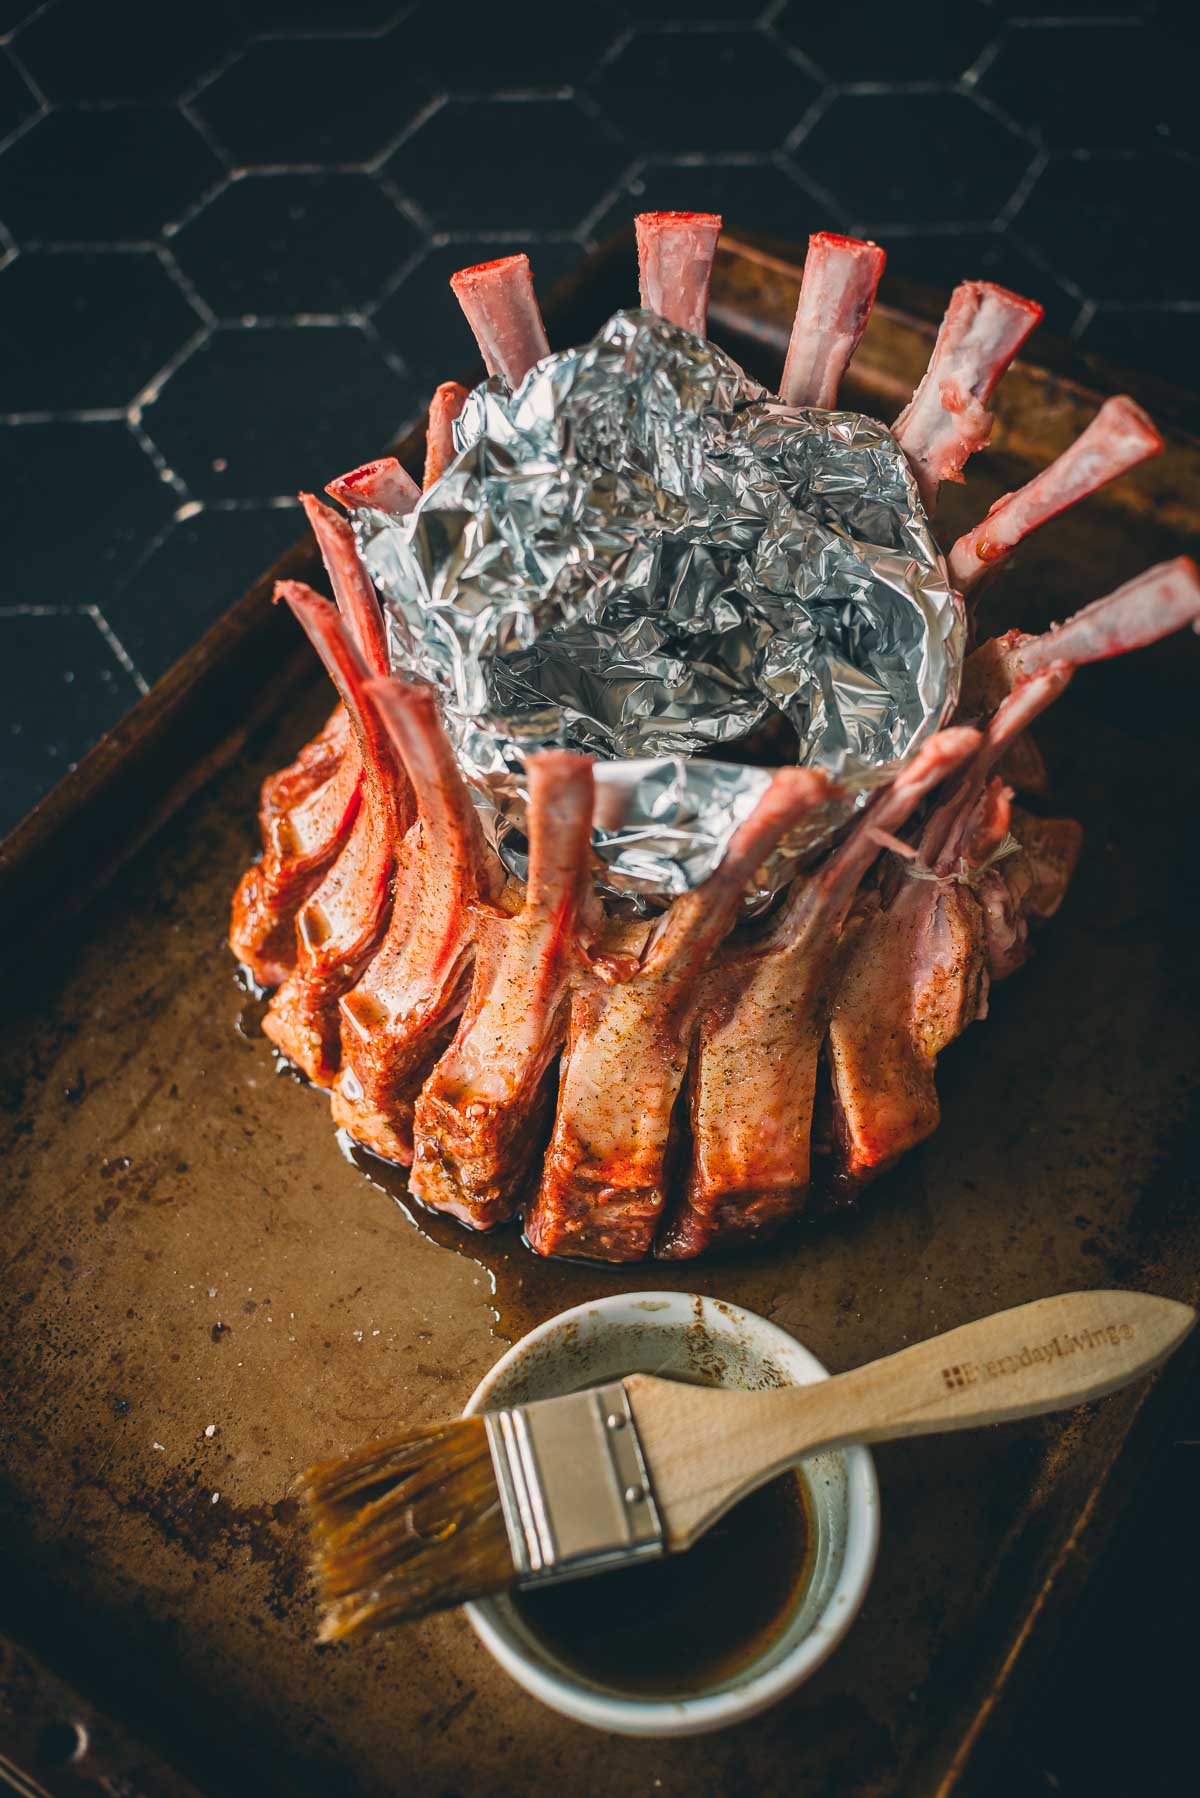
525, 914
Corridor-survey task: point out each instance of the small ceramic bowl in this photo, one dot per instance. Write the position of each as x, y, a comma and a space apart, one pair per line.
679, 1334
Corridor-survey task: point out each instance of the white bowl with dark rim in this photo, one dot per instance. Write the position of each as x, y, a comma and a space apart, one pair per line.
689, 1337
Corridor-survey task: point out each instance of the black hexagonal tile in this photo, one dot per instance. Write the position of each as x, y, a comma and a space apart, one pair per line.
1155, 338
318, 15
71, 690
757, 197
278, 244
78, 504
423, 321
876, 40
17, 102
920, 159
314, 100
1117, 226
116, 173
673, 12
1069, 9
941, 259
1096, 86
712, 90
75, 50
14, 13
259, 413
82, 329
193, 576
507, 165
501, 47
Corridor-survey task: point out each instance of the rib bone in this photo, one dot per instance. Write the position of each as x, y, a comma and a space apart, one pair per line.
305, 814
946, 420
382, 484
502, 311
754, 1075
837, 292
307, 810
350, 581
339, 925
398, 1018
675, 260
604, 1184
444, 408
479, 1117
1118, 438
1152, 605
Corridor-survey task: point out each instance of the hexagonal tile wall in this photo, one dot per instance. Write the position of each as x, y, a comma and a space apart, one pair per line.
326, 243
83, 175
136, 50
654, 89
18, 101
79, 499
223, 250
308, 101
507, 164
325, 397
93, 326
960, 165
876, 40
161, 608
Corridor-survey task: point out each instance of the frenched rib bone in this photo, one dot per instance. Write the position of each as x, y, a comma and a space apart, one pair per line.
480, 1116
502, 311
382, 484
307, 811
305, 814
947, 419
604, 1183
339, 925
444, 408
755, 1070
837, 292
351, 583
675, 260
398, 1018
1151, 606
1118, 438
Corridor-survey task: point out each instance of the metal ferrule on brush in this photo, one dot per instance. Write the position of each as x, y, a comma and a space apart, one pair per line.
573, 1485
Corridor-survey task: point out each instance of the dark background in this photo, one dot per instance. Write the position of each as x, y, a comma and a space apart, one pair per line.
225, 233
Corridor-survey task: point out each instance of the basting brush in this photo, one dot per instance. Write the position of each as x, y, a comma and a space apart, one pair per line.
641, 1467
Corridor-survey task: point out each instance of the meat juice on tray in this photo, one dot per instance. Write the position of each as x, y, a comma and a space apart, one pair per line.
535, 913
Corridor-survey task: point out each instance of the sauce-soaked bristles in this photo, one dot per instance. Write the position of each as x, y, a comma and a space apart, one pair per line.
406, 1525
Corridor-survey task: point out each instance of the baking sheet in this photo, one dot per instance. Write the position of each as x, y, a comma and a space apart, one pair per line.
201, 1293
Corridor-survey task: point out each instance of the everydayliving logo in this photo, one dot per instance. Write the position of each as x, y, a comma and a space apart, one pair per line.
971, 1373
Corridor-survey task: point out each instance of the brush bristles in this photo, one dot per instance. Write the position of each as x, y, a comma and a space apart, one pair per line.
406, 1525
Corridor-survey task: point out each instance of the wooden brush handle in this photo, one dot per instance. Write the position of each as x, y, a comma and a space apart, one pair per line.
707, 1447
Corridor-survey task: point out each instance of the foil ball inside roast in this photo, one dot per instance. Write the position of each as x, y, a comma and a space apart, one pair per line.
641, 555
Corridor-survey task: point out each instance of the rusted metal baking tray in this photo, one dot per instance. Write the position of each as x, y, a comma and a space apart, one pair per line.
201, 1293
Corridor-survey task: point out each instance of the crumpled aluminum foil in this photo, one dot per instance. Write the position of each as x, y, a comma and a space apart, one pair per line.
639, 554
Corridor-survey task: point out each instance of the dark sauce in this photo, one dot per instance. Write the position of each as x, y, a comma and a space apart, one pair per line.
690, 1622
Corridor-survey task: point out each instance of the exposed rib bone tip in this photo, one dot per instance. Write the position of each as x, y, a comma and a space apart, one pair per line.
675, 260
381, 483
502, 311
837, 290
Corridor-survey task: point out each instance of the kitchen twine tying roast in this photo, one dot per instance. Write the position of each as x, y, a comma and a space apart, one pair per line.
632, 550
